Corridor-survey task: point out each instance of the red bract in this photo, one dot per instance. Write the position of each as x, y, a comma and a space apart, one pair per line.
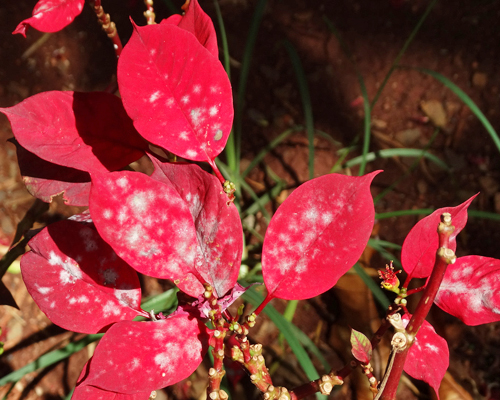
185, 101
51, 15
81, 288
137, 357
471, 290
419, 248
316, 235
175, 225
199, 24
428, 357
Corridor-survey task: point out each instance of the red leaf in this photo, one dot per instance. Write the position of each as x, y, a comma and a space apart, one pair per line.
316, 235
176, 92
420, 246
86, 131
77, 280
428, 357
51, 15
45, 180
177, 227
361, 347
471, 290
83, 392
199, 24
217, 222
135, 357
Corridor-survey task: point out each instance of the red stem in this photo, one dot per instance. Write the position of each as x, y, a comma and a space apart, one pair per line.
109, 27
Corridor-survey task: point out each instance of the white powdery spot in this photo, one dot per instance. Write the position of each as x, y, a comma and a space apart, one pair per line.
107, 214
214, 89
72, 300
152, 52
83, 299
327, 218
110, 309
135, 235
311, 215
185, 99
135, 363
155, 96
431, 347
213, 111
218, 135
170, 102
71, 270
43, 290
197, 88
191, 153
184, 135
122, 182
127, 297
196, 116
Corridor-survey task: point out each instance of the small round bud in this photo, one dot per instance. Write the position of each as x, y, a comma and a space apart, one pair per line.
212, 372
217, 334
213, 395
223, 395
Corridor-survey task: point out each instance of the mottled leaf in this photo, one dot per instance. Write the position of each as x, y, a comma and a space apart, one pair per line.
135, 357
196, 21
316, 235
51, 15
361, 347
85, 131
186, 103
44, 180
428, 357
418, 254
471, 290
217, 222
77, 280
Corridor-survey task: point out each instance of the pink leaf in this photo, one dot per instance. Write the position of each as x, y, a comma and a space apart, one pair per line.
471, 290
185, 103
77, 280
419, 248
86, 131
199, 24
83, 392
316, 235
45, 180
217, 221
51, 15
361, 347
135, 357
428, 357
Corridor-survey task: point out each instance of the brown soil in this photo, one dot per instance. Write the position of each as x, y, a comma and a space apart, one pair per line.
459, 39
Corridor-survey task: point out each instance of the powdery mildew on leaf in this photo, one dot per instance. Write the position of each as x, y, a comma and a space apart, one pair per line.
418, 254
218, 226
134, 357
51, 15
176, 92
316, 235
148, 224
44, 180
77, 280
85, 131
471, 290
428, 357
196, 21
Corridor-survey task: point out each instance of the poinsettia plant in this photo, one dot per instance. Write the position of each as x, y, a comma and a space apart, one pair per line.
180, 223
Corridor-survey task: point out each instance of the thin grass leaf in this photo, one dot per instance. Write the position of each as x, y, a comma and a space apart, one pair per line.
306, 101
245, 69
403, 213
380, 246
374, 288
264, 199
388, 153
223, 37
270, 146
294, 336
484, 215
466, 100
70, 395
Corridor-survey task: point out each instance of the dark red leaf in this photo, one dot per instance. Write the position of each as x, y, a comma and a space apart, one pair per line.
85, 131
316, 235
199, 24
361, 347
176, 92
77, 280
471, 290
51, 15
135, 357
45, 180
420, 246
428, 357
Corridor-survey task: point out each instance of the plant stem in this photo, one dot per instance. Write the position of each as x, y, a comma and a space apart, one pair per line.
444, 257
109, 27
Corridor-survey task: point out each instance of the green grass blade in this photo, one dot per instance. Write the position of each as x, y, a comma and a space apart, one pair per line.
407, 43
270, 146
484, 215
50, 358
380, 246
388, 153
266, 198
294, 336
245, 69
466, 100
223, 39
403, 213
306, 101
378, 293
